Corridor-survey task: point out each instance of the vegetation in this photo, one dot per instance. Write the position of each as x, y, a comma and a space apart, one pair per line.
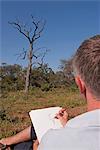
47, 88
15, 106
12, 77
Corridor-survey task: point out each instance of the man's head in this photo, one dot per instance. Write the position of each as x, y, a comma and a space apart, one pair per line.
86, 65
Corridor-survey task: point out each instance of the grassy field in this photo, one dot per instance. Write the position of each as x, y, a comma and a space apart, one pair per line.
14, 107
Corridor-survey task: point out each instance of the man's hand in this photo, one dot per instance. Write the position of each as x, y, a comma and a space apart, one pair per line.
4, 147
5, 141
35, 144
62, 115
5, 144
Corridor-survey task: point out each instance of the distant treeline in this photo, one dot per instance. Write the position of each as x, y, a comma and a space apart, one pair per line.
12, 77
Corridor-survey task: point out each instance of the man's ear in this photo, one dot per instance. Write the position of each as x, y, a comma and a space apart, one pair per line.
80, 84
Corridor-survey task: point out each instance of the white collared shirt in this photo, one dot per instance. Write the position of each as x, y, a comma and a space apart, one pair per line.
80, 133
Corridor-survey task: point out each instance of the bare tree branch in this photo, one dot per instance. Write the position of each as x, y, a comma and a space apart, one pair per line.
39, 27
41, 62
34, 56
19, 28
22, 55
38, 34
40, 48
32, 33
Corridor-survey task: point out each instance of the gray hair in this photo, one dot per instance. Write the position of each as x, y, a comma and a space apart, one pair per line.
86, 63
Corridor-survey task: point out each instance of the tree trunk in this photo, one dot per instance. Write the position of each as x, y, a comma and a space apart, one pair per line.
27, 81
28, 74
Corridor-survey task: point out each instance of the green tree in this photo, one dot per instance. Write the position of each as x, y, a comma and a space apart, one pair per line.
11, 77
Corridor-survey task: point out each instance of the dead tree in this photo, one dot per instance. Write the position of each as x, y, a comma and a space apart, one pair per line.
32, 34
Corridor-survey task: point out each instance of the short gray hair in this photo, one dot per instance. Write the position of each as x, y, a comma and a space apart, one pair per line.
86, 63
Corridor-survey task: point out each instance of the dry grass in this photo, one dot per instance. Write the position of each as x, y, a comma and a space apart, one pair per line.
15, 106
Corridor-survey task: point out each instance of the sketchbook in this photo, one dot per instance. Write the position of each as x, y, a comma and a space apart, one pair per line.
44, 119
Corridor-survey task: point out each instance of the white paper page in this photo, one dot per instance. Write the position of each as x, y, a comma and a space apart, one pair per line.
43, 120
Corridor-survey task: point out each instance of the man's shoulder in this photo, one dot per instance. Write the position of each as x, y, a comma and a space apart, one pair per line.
72, 132
87, 119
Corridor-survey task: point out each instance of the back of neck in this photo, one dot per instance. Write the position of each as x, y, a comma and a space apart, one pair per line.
92, 103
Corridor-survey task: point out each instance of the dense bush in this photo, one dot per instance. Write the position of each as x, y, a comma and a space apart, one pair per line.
12, 78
